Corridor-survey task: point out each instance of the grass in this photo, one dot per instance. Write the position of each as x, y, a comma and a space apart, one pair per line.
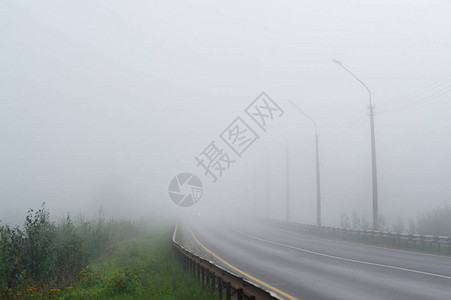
93, 259
145, 267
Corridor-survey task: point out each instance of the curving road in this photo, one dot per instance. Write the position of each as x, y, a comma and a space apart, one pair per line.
300, 266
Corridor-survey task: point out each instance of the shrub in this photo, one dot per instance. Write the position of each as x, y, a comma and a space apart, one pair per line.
44, 254
122, 282
69, 251
97, 237
90, 278
436, 221
11, 253
398, 226
38, 245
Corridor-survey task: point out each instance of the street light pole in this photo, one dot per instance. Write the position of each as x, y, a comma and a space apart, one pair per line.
255, 188
287, 160
318, 179
318, 188
373, 149
288, 185
267, 188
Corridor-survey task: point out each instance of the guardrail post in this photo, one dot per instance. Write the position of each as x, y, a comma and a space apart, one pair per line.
202, 272
220, 288
239, 294
211, 275
213, 284
228, 291
193, 267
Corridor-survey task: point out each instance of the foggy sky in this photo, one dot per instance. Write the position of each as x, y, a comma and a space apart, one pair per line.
103, 102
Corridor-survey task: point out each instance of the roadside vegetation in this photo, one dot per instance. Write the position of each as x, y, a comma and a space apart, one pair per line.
436, 221
92, 259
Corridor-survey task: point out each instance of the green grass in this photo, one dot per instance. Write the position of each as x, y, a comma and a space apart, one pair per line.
142, 268
127, 259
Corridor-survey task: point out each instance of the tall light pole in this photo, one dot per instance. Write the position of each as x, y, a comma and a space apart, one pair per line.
318, 181
255, 188
373, 149
267, 188
287, 212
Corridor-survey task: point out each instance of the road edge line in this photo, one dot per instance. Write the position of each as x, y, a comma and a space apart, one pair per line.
240, 271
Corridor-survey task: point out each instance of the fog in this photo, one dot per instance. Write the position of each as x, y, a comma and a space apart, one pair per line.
104, 102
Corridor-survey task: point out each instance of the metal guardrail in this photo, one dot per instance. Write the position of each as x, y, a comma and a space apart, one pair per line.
393, 237
217, 278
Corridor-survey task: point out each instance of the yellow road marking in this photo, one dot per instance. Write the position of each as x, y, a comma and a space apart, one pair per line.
242, 272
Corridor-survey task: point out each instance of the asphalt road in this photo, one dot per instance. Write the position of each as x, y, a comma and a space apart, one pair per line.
296, 265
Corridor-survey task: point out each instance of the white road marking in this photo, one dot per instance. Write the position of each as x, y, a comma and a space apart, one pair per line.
342, 258
382, 247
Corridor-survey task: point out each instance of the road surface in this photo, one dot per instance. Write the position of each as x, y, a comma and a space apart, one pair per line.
300, 266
